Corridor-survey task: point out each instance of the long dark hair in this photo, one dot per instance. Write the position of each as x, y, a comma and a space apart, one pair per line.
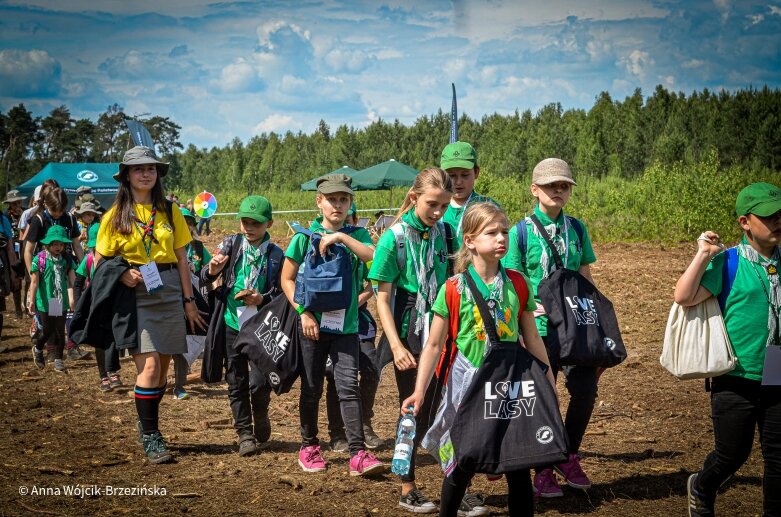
45, 187
122, 222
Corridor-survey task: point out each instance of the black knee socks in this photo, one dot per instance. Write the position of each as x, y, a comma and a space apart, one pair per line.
148, 407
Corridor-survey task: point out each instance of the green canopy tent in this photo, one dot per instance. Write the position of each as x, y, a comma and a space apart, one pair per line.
71, 176
385, 176
312, 184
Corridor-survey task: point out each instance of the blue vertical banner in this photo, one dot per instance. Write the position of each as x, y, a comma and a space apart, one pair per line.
454, 117
139, 133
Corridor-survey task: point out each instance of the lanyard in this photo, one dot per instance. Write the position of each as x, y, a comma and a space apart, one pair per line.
461, 220
146, 230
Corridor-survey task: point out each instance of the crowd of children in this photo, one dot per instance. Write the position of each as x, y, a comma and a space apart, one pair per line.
446, 238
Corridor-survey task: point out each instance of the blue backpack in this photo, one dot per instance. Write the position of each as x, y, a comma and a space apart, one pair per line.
523, 237
728, 275
324, 283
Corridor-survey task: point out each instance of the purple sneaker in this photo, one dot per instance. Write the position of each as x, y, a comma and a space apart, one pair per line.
573, 474
364, 464
311, 460
546, 485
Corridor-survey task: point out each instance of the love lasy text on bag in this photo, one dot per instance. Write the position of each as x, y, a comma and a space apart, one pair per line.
502, 399
584, 310
274, 341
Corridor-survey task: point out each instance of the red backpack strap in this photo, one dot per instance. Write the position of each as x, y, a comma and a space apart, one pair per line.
521, 289
448, 355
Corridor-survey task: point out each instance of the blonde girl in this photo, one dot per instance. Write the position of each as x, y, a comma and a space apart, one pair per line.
485, 234
405, 294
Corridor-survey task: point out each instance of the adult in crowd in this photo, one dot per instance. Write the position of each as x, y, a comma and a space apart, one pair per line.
14, 212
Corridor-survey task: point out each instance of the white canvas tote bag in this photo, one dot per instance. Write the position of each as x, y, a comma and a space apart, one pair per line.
696, 345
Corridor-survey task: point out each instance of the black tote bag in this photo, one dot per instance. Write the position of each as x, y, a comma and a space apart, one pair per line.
270, 340
509, 417
582, 325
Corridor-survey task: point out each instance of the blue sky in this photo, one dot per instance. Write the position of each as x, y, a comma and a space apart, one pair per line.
236, 69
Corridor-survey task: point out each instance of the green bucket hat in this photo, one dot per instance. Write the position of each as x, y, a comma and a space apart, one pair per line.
458, 155
187, 214
762, 199
92, 235
56, 233
139, 155
257, 208
353, 209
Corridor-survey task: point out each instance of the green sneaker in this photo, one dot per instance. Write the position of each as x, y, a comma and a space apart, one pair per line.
155, 449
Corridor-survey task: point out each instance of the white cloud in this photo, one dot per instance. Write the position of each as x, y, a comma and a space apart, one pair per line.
724, 8
267, 31
668, 80
146, 66
755, 18
693, 63
636, 63
277, 123
29, 73
389, 53
239, 76
351, 61
775, 10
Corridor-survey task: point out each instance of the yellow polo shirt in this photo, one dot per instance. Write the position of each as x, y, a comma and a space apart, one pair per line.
111, 243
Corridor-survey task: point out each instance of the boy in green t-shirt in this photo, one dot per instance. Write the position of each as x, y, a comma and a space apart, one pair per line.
750, 395
459, 161
249, 265
51, 281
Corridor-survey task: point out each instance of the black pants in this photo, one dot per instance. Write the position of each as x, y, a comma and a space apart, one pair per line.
581, 383
342, 349
738, 407
108, 360
53, 327
368, 382
405, 381
520, 497
247, 389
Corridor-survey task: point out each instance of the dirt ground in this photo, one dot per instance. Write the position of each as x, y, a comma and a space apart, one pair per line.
649, 431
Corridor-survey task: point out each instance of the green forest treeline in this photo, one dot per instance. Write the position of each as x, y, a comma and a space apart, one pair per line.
661, 168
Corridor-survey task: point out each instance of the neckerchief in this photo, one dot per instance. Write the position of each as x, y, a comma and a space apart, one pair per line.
255, 259
146, 230
494, 299
773, 297
420, 241
561, 242
57, 263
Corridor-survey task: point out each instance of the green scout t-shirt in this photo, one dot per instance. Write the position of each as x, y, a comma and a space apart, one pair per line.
454, 214
82, 269
471, 333
578, 254
745, 312
249, 261
47, 282
296, 251
195, 259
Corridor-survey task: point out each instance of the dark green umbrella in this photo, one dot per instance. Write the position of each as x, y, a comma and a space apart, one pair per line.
312, 184
384, 175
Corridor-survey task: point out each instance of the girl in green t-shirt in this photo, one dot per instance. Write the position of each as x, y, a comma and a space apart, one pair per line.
485, 232
405, 295
51, 294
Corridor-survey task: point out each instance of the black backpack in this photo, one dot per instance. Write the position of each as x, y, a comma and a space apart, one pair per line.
582, 325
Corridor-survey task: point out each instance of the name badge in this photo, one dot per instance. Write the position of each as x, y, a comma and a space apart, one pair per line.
151, 276
333, 320
55, 307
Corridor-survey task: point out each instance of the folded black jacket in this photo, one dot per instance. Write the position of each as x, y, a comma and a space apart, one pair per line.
106, 310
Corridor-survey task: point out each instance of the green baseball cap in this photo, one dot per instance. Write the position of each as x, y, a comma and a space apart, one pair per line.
56, 233
92, 235
257, 208
186, 213
335, 183
762, 199
458, 155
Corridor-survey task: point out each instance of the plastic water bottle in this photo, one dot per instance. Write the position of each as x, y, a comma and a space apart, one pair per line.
402, 453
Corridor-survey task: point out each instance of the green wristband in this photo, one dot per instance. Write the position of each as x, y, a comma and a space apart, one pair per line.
300, 309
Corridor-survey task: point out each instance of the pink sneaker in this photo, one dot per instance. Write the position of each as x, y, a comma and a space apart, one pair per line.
546, 485
573, 474
311, 460
364, 464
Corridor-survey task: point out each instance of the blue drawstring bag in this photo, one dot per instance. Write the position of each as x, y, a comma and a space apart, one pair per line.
325, 282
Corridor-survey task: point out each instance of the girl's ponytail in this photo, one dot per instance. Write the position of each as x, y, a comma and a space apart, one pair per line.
431, 178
